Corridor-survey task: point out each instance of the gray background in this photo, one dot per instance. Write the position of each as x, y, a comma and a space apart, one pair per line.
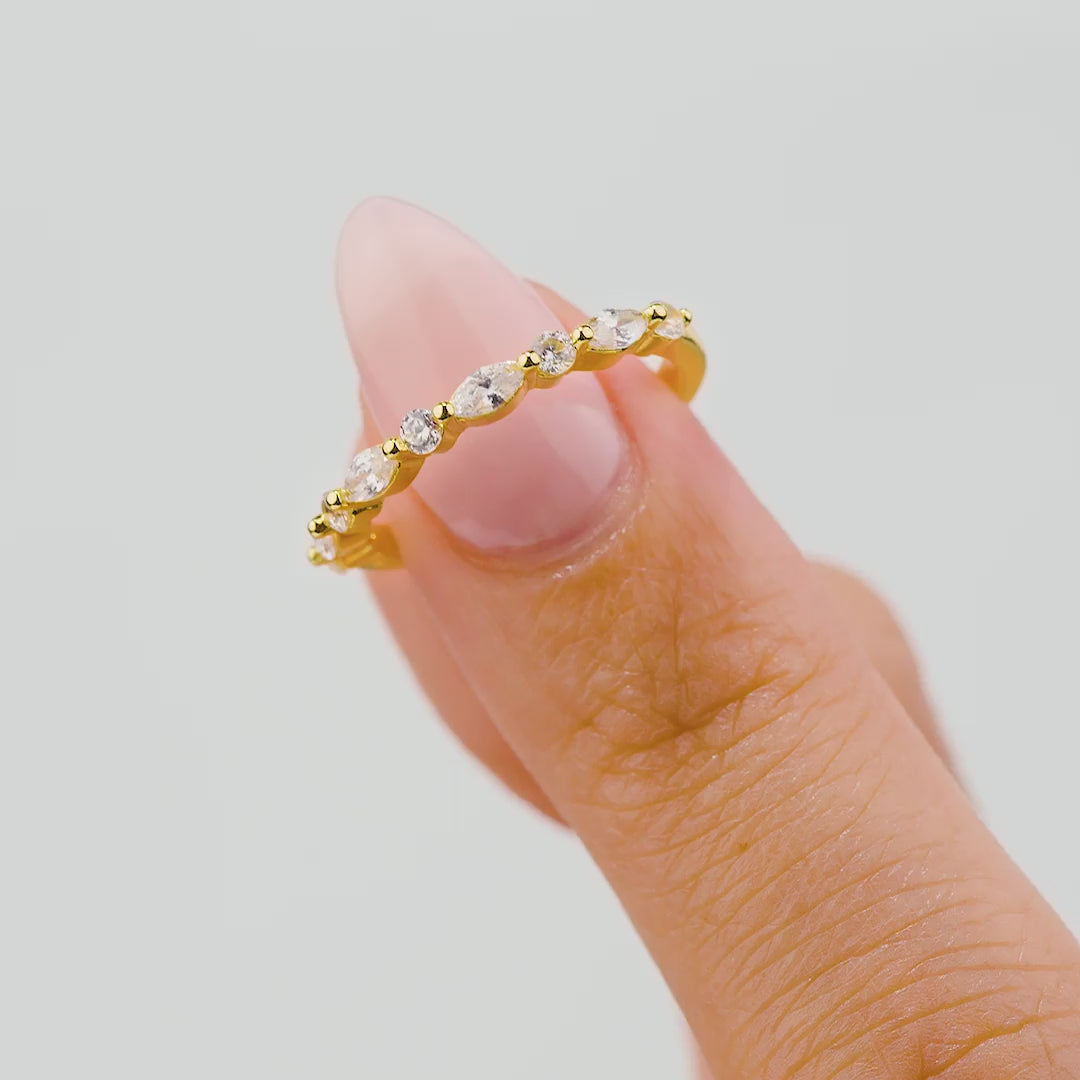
236, 841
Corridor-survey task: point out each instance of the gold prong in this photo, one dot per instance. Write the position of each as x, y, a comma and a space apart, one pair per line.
395, 446
443, 411
335, 500
687, 315
527, 361
314, 557
582, 335
318, 526
655, 314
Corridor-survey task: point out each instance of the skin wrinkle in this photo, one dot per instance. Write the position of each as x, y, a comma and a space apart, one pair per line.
716, 741
702, 734
815, 782
1040, 1034
976, 947
802, 985
645, 761
716, 755
1037, 1021
900, 934
830, 838
827, 899
883, 944
664, 701
907, 1022
699, 789
663, 679
876, 1034
872, 856
719, 837
743, 903
890, 892
963, 970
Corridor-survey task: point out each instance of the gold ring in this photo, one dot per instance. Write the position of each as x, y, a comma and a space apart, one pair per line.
342, 535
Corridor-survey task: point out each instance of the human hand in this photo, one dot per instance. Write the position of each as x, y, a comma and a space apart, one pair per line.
605, 615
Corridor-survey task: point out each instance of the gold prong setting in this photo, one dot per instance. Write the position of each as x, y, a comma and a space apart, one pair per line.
667, 321
370, 474
341, 536
323, 549
488, 390
420, 431
582, 336
617, 329
555, 353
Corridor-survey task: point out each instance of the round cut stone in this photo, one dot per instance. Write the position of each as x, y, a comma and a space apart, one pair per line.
556, 351
674, 326
369, 474
487, 390
326, 546
420, 432
616, 329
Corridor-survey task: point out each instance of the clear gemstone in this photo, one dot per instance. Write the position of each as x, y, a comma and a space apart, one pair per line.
339, 520
616, 330
674, 326
420, 432
556, 351
369, 474
326, 546
487, 390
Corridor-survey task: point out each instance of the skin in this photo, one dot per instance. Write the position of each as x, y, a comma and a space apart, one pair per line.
740, 739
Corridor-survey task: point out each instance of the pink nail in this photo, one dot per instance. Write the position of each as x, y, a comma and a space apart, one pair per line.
423, 307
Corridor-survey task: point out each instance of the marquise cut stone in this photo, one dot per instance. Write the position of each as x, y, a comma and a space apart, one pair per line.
369, 474
616, 329
487, 390
674, 326
339, 520
556, 352
420, 431
326, 546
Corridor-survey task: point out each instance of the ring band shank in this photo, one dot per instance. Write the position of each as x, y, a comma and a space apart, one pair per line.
682, 367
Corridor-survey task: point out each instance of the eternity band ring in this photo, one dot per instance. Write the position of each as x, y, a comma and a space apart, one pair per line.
342, 535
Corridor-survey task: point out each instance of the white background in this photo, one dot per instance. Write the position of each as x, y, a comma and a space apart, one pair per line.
235, 840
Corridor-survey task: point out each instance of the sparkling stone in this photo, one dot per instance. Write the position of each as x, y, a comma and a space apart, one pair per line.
339, 520
420, 432
487, 390
616, 330
369, 474
674, 326
326, 546
556, 351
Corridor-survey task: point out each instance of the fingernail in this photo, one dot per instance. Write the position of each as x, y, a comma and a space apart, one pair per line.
424, 306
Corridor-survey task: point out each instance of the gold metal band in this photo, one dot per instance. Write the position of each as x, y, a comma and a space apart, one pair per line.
342, 534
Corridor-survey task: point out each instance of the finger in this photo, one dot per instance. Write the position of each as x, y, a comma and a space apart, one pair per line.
870, 619
418, 634
809, 878
420, 639
887, 648
872, 623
